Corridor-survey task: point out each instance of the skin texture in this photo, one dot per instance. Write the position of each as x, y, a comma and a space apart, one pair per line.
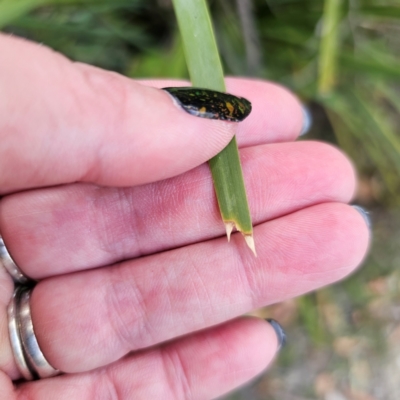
108, 204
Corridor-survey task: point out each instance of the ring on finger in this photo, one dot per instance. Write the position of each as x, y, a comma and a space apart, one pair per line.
10, 266
27, 354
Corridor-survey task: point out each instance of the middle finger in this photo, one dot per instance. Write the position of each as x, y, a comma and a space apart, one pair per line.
76, 227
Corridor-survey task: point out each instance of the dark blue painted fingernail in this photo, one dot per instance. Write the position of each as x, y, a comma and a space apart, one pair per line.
307, 120
210, 104
280, 333
365, 214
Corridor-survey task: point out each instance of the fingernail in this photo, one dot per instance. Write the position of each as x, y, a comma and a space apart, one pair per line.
280, 333
205, 103
307, 120
364, 213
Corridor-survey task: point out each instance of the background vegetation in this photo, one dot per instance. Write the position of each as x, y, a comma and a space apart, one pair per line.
342, 58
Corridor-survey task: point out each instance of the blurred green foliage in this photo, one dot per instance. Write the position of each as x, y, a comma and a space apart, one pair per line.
342, 57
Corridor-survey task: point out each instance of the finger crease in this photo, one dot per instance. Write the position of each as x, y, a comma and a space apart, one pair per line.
108, 389
126, 295
176, 375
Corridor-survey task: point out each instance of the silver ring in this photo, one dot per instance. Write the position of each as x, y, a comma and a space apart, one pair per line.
9, 264
29, 358
16, 345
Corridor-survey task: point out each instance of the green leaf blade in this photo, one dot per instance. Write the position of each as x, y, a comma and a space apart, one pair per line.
225, 168
201, 52
205, 71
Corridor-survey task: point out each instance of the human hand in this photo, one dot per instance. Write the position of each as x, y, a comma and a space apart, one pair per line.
106, 203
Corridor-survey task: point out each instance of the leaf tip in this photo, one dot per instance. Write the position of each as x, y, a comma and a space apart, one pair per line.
229, 228
250, 243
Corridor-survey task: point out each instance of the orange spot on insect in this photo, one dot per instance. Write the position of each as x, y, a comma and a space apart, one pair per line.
202, 110
230, 107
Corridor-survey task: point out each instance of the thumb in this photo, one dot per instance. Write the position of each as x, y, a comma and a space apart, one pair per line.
63, 122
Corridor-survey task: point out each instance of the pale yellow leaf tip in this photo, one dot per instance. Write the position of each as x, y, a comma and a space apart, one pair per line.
229, 228
250, 242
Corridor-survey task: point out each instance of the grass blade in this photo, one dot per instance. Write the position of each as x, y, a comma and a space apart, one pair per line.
205, 71
12, 9
329, 45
